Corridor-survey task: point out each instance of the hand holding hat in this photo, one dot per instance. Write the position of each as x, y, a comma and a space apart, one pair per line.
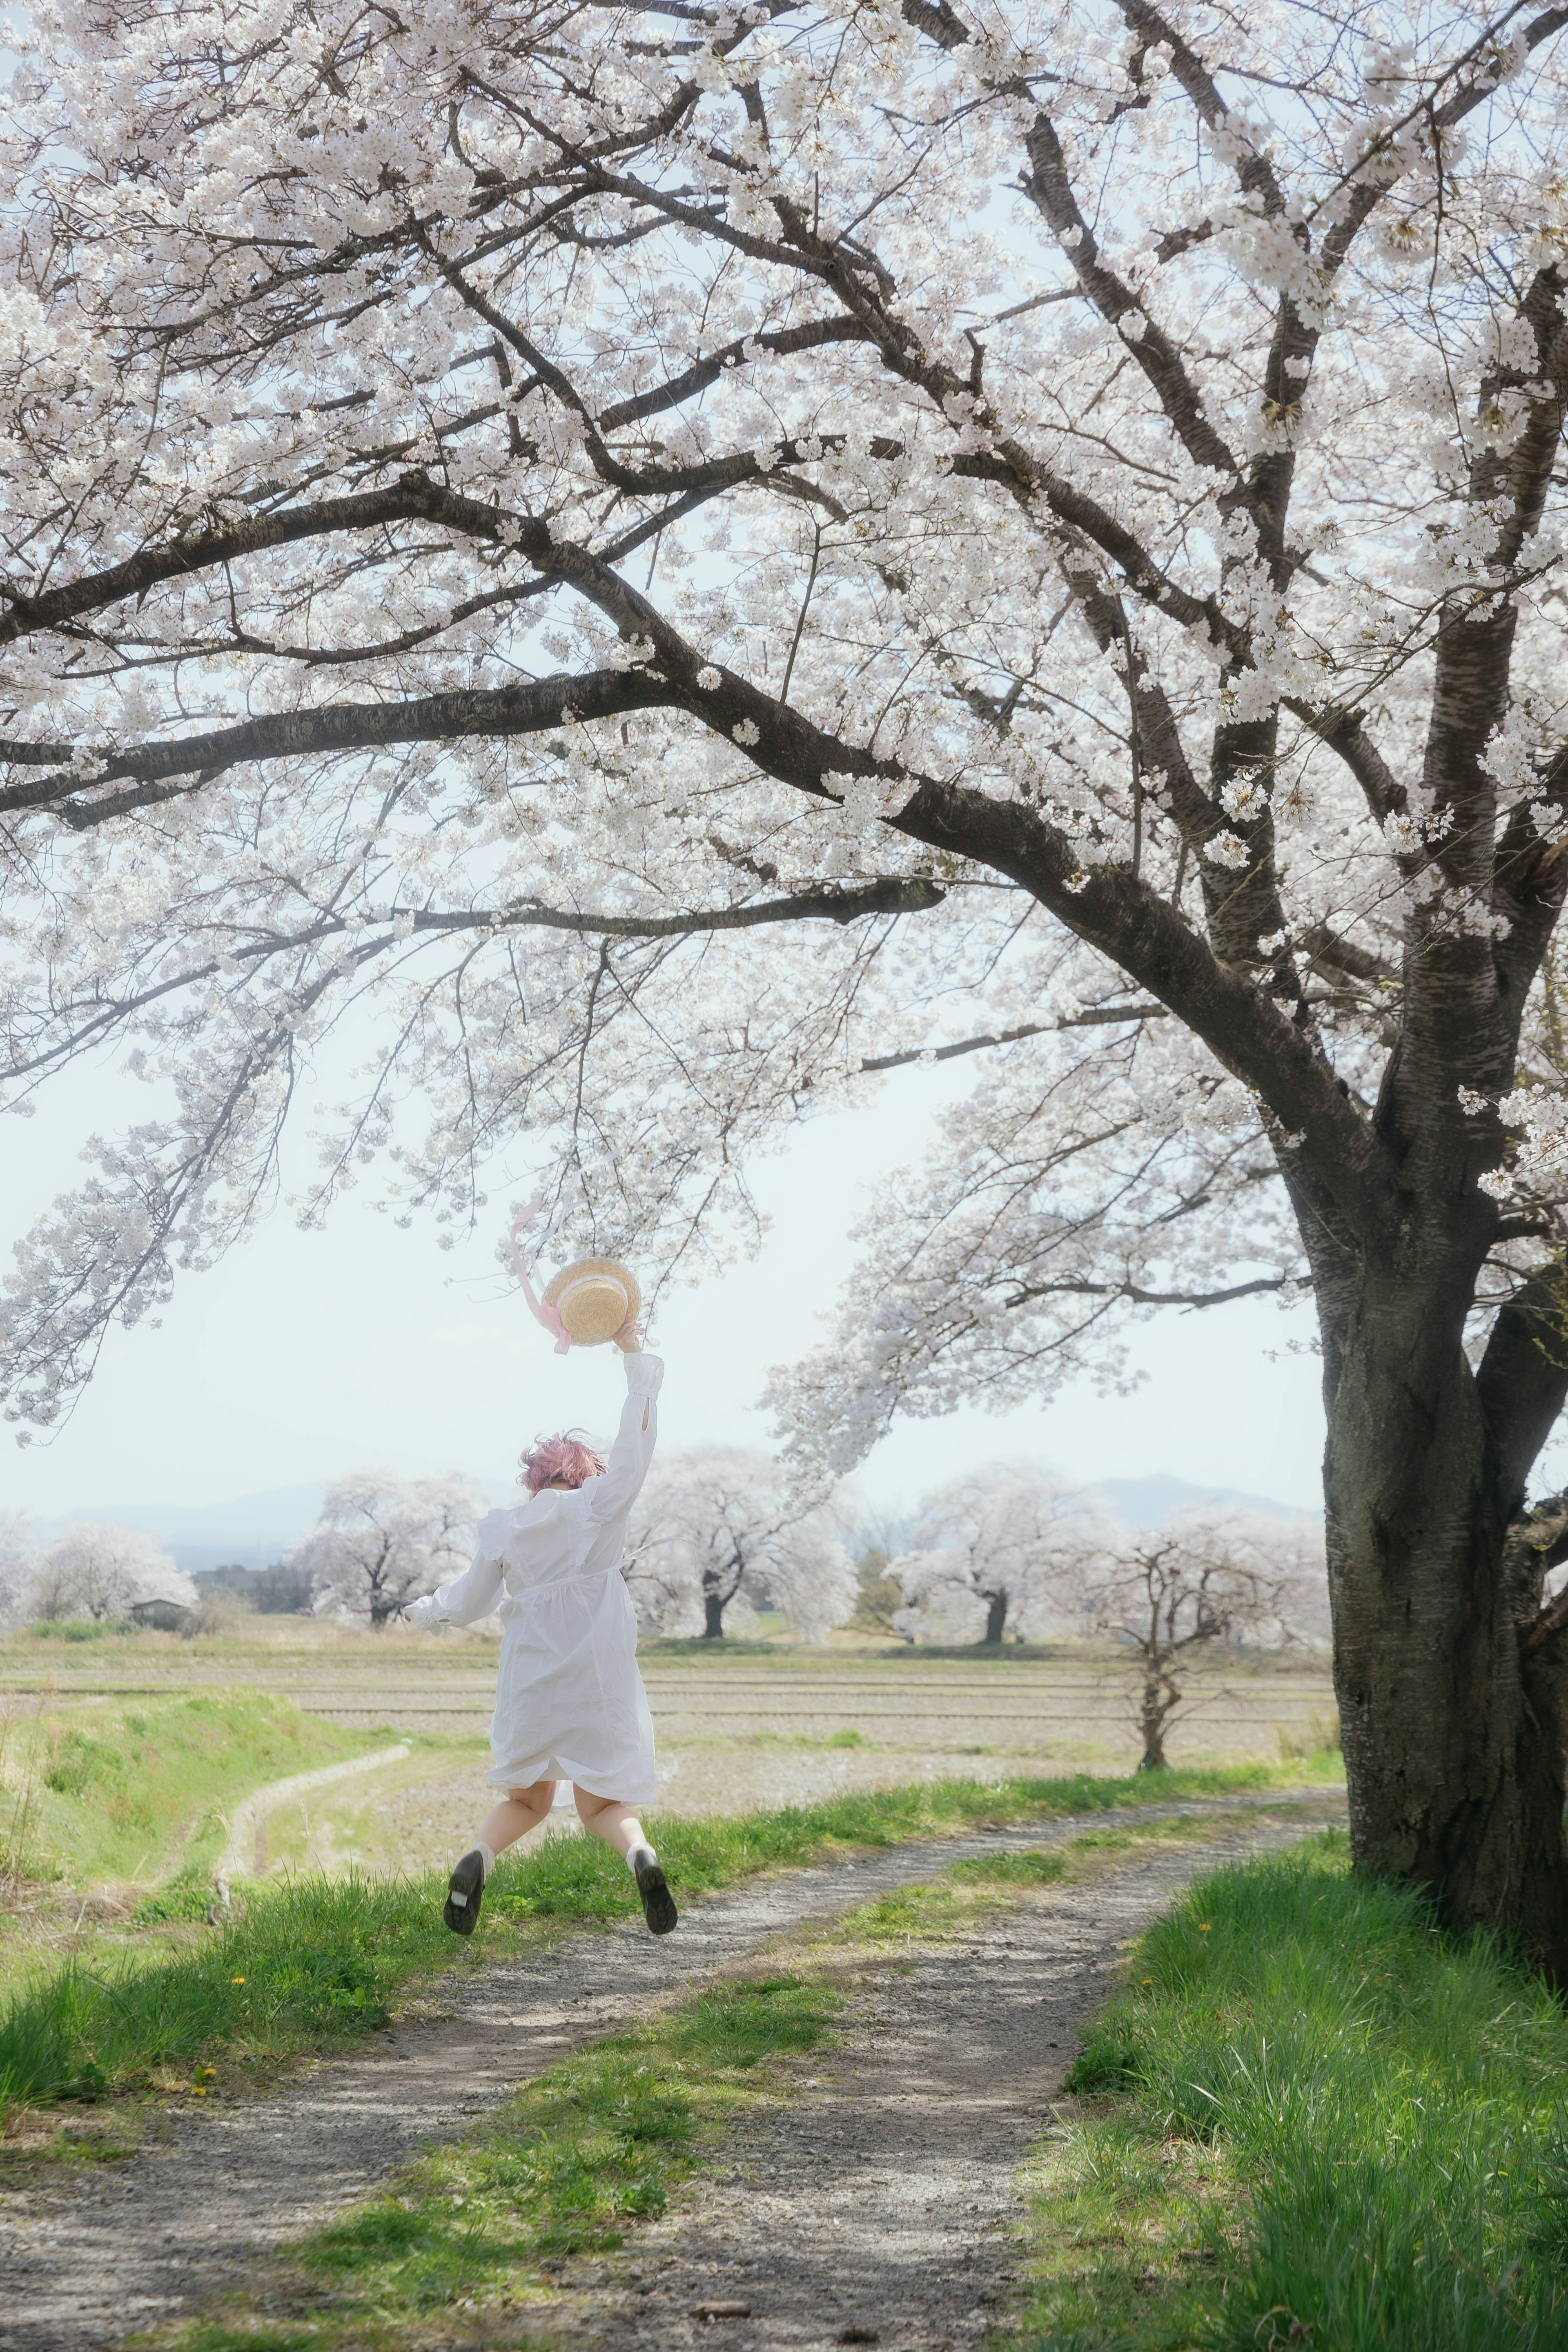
594, 1300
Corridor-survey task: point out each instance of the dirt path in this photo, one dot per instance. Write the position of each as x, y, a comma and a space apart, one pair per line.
89, 2259
242, 1855
885, 2200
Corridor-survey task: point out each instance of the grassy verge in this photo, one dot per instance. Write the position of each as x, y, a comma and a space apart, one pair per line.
312, 1963
1310, 2120
117, 1791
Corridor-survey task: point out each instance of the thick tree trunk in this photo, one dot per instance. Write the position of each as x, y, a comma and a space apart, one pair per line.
1453, 1733
712, 1615
995, 1615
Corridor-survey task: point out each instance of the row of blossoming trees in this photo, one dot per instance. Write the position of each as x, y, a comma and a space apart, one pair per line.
720, 1537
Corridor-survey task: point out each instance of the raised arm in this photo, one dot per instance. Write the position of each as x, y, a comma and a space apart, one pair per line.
466, 1599
612, 1497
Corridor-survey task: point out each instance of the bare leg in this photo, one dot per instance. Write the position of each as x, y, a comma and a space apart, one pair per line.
620, 1827
610, 1819
519, 1810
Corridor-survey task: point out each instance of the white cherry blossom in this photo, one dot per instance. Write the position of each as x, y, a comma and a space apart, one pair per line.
655, 566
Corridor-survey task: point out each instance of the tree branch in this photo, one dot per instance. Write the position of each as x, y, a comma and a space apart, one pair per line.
898, 895
179, 558
778, 342
1522, 1382
341, 727
1048, 187
1101, 1016
1137, 1297
1344, 733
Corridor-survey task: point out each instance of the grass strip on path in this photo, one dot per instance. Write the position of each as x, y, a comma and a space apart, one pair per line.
312, 1963
472, 2236
1310, 2120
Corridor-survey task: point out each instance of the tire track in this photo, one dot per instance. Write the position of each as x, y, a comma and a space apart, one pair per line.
884, 2205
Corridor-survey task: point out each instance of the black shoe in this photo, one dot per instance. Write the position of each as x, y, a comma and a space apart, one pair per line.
464, 1893
657, 1902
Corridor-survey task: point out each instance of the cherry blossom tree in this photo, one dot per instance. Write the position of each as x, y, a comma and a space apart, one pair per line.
1205, 1578
670, 561
18, 1563
1001, 1550
722, 1530
382, 1542
94, 1569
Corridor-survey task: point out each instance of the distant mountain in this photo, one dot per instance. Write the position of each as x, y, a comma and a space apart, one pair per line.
256, 1530
1150, 1502
252, 1531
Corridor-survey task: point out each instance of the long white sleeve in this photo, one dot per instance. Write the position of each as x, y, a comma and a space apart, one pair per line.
612, 1497
464, 1601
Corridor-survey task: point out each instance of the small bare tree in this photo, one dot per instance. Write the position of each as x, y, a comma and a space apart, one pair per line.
1203, 1578
382, 1542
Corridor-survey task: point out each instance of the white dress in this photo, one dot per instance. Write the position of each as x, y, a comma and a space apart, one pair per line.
570, 1703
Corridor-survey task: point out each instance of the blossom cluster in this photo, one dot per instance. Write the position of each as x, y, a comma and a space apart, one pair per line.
585, 585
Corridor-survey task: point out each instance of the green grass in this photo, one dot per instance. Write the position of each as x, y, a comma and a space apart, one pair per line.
311, 1967
587, 2151
563, 2169
474, 2236
942, 1908
1312, 2121
312, 1963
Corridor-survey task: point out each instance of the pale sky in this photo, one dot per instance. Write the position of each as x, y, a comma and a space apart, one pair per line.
305, 1356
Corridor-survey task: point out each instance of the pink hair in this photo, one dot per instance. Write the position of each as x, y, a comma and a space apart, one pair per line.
562, 1456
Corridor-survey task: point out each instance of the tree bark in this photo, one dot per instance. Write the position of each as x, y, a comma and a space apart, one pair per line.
1157, 1701
1451, 1716
995, 1615
712, 1614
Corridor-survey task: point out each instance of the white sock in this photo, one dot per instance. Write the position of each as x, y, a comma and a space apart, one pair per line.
640, 1853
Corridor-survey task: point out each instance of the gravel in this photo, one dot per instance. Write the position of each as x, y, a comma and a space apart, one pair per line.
936, 2101
882, 2205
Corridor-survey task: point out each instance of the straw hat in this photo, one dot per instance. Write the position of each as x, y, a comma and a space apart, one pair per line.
594, 1298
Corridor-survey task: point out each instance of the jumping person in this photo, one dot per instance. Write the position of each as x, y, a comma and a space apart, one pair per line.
570, 1703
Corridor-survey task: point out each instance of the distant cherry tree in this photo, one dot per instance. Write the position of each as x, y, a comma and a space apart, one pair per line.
1204, 1579
18, 1563
102, 1570
382, 1542
1001, 1550
721, 1530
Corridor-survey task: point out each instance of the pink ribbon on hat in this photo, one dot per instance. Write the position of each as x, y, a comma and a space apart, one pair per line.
541, 1311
